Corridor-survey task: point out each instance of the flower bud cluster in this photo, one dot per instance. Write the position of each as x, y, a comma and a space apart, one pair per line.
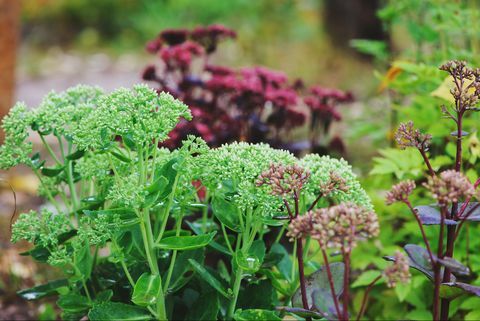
400, 192
284, 180
408, 136
467, 84
450, 187
339, 226
399, 271
335, 183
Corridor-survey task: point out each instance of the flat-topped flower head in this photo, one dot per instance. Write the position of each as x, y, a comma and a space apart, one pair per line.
284, 180
400, 192
238, 166
342, 226
450, 187
399, 271
408, 136
139, 114
348, 188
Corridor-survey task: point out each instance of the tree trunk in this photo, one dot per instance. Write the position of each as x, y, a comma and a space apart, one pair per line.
9, 27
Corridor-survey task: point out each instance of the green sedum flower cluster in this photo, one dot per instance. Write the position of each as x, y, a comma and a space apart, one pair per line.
112, 186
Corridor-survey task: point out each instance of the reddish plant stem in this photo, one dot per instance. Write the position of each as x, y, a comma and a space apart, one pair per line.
467, 201
365, 297
464, 219
451, 229
299, 254
437, 267
427, 161
346, 288
301, 273
330, 282
422, 230
315, 202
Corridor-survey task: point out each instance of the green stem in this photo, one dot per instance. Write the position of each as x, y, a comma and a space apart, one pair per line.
236, 290
167, 210
174, 257
50, 150
227, 241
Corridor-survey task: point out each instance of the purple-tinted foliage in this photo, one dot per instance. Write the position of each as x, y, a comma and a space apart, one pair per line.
253, 104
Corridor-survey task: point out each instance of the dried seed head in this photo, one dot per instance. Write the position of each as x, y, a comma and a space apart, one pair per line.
335, 183
400, 192
408, 136
399, 271
284, 180
343, 225
450, 187
300, 226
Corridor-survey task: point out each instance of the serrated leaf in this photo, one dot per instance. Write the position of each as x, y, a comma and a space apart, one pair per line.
73, 303
255, 314
116, 311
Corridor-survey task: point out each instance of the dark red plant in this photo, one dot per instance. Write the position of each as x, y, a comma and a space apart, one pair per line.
253, 104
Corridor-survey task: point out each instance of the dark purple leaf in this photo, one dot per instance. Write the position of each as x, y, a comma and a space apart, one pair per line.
455, 133
431, 216
472, 210
454, 266
468, 288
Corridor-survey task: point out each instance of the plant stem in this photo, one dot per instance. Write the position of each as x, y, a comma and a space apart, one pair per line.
330, 282
346, 278
173, 259
365, 297
301, 273
167, 210
422, 230
437, 267
236, 290
451, 229
427, 161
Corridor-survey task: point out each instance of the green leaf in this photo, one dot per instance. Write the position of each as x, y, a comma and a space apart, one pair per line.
184, 243
84, 262
39, 253
226, 213
73, 303
255, 314
43, 290
183, 271
318, 280
285, 264
52, 171
120, 157
104, 296
146, 289
206, 307
75, 155
116, 311
366, 278
247, 262
158, 185
209, 278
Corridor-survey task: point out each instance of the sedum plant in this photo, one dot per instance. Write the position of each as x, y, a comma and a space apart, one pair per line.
140, 232
452, 194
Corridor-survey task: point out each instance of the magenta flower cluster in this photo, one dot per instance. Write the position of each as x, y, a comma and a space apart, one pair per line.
253, 104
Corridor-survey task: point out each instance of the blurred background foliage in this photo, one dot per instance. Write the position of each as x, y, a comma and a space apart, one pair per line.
386, 52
